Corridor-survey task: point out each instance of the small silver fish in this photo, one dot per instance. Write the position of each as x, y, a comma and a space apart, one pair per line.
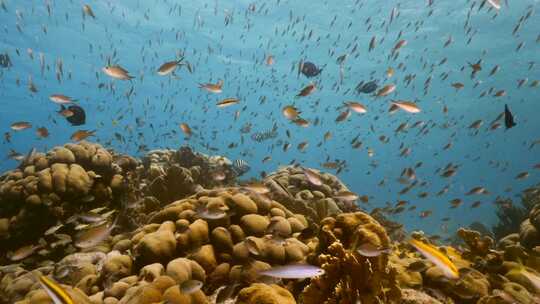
369, 250
293, 271
312, 176
211, 214
93, 236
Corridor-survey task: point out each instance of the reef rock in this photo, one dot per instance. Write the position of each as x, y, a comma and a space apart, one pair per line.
265, 294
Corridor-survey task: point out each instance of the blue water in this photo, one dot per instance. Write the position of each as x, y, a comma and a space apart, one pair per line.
145, 34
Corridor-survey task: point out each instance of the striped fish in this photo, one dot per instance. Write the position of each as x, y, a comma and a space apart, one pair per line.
240, 167
438, 258
57, 293
265, 135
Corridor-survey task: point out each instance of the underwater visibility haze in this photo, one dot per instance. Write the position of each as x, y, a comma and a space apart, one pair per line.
162, 151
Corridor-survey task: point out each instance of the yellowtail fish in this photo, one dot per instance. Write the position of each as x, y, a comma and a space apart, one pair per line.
20, 125
356, 107
227, 102
186, 129
386, 90
117, 72
438, 258
42, 132
57, 293
307, 90
60, 99
293, 271
406, 106
212, 88
168, 67
87, 10
290, 112
270, 60
81, 135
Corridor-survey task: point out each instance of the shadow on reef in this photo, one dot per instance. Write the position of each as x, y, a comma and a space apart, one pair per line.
511, 215
182, 218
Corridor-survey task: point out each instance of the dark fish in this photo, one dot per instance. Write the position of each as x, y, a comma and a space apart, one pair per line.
5, 62
508, 118
310, 69
367, 88
240, 167
79, 116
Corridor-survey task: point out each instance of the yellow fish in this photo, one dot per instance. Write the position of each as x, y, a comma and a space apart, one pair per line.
57, 293
438, 258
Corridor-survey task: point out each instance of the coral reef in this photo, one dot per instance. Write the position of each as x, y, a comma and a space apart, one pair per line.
48, 188
181, 220
170, 175
290, 186
510, 215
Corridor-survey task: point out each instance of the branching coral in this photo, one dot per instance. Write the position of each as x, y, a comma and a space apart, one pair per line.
350, 277
478, 245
